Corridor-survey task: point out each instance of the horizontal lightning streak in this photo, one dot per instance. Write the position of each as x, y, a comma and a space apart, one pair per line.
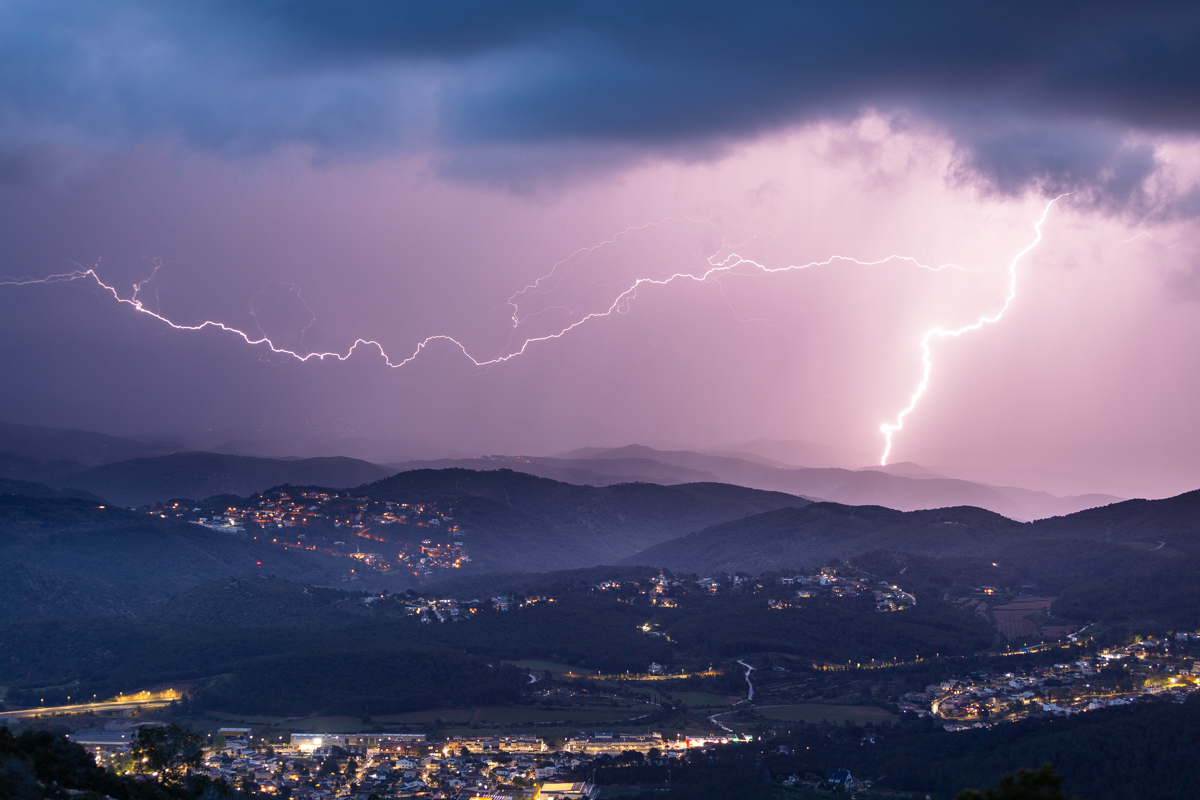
716, 269
724, 266
889, 429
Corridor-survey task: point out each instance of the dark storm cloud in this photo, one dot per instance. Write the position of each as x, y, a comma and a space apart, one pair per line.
1041, 93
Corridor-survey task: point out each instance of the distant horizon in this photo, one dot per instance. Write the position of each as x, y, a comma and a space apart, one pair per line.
475, 236
274, 447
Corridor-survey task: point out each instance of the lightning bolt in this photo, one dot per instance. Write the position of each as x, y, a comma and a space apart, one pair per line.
889, 429
619, 305
717, 268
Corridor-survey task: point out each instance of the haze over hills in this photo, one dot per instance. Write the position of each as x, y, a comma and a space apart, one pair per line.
905, 487
910, 490
86, 448
583, 471
292, 445
794, 452
131, 471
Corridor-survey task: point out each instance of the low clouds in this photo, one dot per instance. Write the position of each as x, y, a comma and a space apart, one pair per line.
1037, 95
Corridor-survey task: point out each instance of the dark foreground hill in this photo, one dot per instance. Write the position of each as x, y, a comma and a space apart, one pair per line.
70, 557
259, 645
515, 521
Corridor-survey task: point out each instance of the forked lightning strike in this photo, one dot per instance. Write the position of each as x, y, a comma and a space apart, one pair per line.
889, 429
716, 269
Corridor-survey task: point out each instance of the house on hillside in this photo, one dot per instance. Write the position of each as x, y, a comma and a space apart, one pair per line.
839, 778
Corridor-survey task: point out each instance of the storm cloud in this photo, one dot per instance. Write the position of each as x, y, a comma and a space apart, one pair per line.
1036, 95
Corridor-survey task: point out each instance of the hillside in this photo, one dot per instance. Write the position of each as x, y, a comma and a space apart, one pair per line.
63, 557
820, 531
252, 601
795, 537
522, 522
1131, 561
142, 481
32, 489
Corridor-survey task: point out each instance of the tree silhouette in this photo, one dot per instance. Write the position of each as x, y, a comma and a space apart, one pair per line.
1026, 784
171, 751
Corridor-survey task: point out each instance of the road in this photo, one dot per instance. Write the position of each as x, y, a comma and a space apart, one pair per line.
83, 708
749, 699
749, 669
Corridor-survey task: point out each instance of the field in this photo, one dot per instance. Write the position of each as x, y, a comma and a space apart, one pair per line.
816, 712
699, 699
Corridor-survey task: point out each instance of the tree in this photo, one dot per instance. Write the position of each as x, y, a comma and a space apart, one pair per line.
1026, 784
170, 751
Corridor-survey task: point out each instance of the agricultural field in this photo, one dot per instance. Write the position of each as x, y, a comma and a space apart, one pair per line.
699, 699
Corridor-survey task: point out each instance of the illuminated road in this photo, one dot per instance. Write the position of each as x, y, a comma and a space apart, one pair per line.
749, 699
84, 708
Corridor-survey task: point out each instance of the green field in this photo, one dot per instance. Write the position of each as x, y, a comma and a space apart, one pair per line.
816, 712
699, 699
550, 666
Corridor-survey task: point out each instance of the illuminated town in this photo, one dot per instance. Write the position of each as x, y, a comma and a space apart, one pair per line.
1113, 677
419, 538
324, 765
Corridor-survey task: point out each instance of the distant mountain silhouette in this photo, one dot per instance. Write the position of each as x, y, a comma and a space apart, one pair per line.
89, 461
820, 531
581, 471
142, 481
907, 487
794, 453
85, 448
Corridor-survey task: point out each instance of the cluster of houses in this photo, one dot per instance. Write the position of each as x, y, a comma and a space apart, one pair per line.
1117, 676
323, 766
292, 518
830, 583
664, 591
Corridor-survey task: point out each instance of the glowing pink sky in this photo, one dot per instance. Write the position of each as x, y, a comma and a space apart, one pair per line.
1087, 373
1086, 384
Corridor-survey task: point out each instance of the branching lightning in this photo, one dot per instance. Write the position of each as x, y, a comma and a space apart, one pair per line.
618, 305
889, 429
717, 268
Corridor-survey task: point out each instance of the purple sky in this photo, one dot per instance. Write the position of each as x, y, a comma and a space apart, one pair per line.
395, 172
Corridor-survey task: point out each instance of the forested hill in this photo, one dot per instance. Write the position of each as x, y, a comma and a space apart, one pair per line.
545, 524
1131, 561
793, 537
820, 531
1174, 520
